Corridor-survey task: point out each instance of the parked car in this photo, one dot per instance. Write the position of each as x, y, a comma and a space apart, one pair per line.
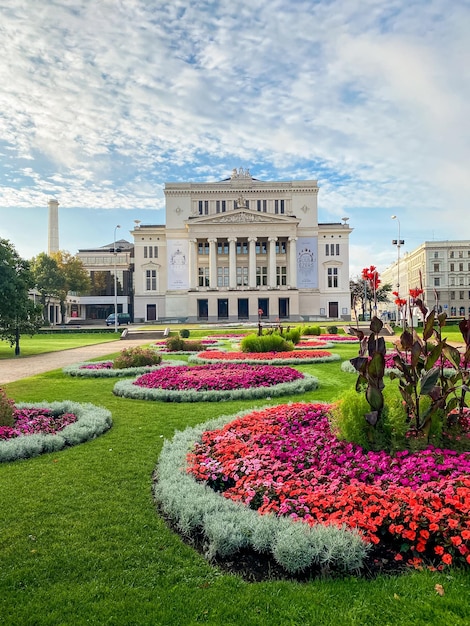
123, 318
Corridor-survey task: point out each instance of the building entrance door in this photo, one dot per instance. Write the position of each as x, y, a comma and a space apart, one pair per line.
151, 312
333, 309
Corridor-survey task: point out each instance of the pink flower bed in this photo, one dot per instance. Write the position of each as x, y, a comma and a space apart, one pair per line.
36, 421
218, 377
338, 338
389, 362
262, 356
286, 460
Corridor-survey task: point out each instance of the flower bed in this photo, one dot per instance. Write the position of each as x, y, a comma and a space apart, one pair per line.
49, 427
285, 460
312, 344
228, 527
346, 366
104, 369
216, 382
338, 338
272, 358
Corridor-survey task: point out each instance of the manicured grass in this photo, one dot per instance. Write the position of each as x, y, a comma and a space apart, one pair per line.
82, 543
38, 344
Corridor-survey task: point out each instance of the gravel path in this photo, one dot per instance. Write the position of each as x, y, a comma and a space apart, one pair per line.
22, 367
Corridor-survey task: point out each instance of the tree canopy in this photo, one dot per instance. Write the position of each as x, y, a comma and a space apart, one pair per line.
18, 313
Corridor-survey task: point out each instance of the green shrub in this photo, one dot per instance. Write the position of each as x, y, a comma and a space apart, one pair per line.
184, 333
332, 330
311, 330
293, 334
265, 343
175, 344
7, 408
136, 357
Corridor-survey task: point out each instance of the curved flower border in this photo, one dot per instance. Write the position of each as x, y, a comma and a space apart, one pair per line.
348, 368
230, 526
77, 369
294, 358
91, 422
127, 389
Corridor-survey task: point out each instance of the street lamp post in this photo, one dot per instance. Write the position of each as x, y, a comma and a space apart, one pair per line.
398, 243
115, 282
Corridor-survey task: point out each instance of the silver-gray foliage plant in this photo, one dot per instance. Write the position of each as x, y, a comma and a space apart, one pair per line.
229, 526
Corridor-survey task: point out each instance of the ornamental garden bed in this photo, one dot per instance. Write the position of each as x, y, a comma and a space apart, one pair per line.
49, 427
272, 358
216, 382
277, 483
105, 369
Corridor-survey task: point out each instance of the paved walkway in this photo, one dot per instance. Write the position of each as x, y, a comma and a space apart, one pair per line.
22, 367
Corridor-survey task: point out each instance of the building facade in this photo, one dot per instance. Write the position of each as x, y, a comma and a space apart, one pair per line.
442, 268
111, 273
239, 250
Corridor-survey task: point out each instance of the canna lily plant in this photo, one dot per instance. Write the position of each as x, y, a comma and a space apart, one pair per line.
429, 396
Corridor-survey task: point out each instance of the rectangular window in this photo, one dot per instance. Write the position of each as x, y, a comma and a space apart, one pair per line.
281, 275
203, 276
337, 249
242, 276
281, 247
436, 267
452, 254
200, 207
261, 276
460, 267
203, 247
242, 247
261, 247
460, 254
437, 282
222, 247
452, 267
217, 206
222, 277
452, 295
327, 249
220, 206
452, 281
279, 206
461, 295
247, 204
436, 255
151, 280
332, 277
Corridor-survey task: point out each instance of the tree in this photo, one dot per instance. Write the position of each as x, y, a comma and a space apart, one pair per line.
49, 279
77, 279
18, 313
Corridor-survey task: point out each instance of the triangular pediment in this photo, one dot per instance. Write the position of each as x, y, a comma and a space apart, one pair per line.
242, 216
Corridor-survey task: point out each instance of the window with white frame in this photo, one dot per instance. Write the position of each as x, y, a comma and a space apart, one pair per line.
203, 247
242, 276
279, 206
203, 276
332, 276
222, 276
281, 275
151, 280
261, 276
150, 252
220, 206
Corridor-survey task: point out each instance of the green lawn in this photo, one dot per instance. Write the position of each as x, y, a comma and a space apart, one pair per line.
82, 543
39, 344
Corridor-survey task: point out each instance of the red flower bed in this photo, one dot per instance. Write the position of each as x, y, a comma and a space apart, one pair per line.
286, 460
262, 356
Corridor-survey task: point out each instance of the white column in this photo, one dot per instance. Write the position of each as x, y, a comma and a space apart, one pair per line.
232, 263
212, 263
252, 262
192, 260
272, 262
292, 263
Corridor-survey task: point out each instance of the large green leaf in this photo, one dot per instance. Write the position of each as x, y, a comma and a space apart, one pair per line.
376, 367
429, 326
433, 355
375, 398
452, 354
376, 325
428, 381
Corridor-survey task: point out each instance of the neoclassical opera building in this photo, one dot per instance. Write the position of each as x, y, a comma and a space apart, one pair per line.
241, 249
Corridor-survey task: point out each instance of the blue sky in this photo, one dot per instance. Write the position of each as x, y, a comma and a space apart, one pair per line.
103, 102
